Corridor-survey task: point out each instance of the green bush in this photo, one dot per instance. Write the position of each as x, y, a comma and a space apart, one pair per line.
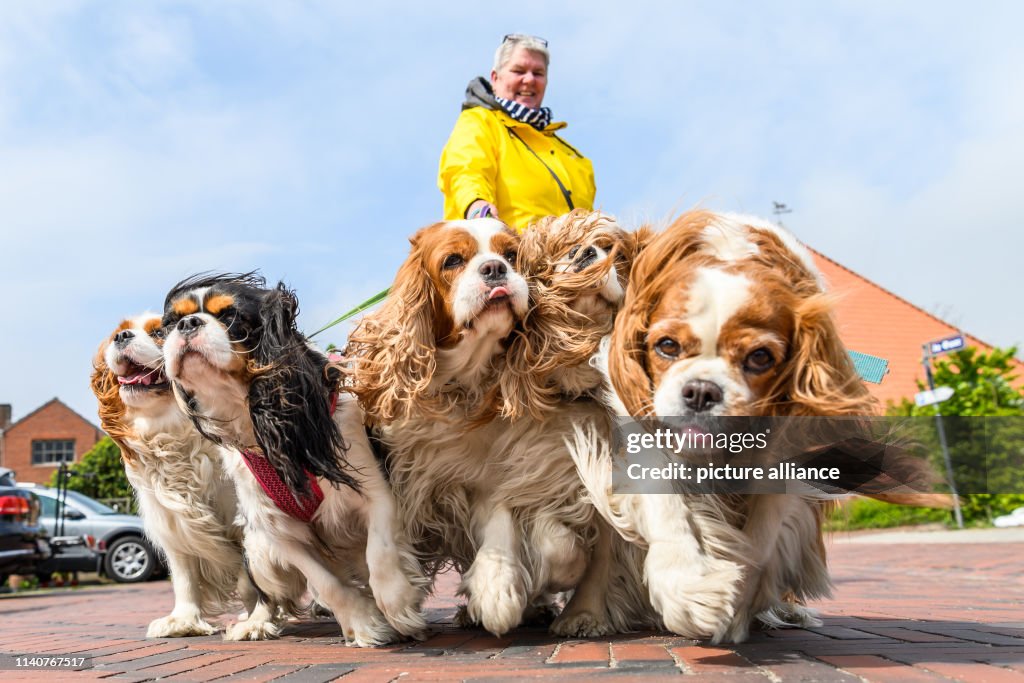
866, 513
100, 473
983, 386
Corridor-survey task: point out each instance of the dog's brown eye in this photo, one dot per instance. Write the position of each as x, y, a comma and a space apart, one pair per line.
667, 348
158, 333
572, 252
510, 256
758, 361
452, 261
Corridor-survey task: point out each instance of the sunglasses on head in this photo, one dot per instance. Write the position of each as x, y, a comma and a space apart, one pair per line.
517, 37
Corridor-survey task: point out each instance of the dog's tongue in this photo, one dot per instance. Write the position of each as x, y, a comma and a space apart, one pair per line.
497, 293
144, 377
135, 378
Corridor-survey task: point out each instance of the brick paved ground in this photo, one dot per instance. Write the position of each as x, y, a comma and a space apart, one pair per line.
904, 611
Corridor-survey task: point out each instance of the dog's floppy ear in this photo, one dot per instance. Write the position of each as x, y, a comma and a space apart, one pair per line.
821, 378
627, 365
650, 276
290, 399
111, 409
392, 350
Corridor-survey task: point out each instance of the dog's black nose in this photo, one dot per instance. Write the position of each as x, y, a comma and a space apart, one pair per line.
700, 395
493, 270
123, 337
189, 324
584, 258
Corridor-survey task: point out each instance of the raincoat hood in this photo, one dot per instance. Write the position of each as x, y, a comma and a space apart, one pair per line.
479, 93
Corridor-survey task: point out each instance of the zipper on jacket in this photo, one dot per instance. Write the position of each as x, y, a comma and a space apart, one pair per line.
565, 192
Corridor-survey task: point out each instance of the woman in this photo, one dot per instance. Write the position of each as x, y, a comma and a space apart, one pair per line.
503, 158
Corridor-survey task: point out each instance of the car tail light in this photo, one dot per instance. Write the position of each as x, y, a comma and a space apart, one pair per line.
13, 505
102, 545
90, 541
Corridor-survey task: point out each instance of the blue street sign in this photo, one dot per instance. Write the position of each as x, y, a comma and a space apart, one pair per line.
946, 345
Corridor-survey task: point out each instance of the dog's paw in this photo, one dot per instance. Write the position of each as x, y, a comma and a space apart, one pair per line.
172, 626
495, 591
694, 599
539, 614
462, 618
367, 627
581, 624
256, 629
788, 614
400, 601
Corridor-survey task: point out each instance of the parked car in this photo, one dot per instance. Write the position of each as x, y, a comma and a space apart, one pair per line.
122, 551
23, 541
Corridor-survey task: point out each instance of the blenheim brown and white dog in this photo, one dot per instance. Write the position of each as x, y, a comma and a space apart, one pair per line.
725, 316
577, 265
186, 498
499, 499
250, 381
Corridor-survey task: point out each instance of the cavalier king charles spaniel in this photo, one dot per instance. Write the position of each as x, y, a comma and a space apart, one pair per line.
186, 499
577, 265
724, 315
496, 498
312, 495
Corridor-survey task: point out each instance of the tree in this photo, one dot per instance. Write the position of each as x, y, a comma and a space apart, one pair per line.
100, 473
987, 454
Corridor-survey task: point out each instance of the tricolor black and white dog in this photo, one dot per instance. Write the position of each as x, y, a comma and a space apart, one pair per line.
312, 495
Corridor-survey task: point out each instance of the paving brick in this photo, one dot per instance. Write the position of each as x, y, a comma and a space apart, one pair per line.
227, 666
909, 635
973, 672
577, 652
926, 613
629, 653
879, 669
978, 636
706, 660
260, 674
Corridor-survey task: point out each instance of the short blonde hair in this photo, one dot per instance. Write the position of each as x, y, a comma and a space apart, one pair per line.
514, 40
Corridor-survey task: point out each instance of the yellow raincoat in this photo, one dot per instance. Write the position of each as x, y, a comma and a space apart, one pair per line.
493, 157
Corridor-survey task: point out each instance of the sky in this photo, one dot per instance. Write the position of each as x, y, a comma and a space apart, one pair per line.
144, 142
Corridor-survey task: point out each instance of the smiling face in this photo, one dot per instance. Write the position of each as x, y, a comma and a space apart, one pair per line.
135, 357
523, 78
128, 380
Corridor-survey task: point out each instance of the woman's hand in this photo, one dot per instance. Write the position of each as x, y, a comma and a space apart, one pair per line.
481, 209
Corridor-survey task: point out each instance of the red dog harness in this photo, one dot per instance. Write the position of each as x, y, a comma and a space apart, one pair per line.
302, 507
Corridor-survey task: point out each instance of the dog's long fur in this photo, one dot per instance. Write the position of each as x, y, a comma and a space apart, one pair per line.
577, 265
714, 564
496, 498
249, 380
186, 499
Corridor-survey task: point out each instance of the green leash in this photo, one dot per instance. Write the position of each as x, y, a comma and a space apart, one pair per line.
369, 303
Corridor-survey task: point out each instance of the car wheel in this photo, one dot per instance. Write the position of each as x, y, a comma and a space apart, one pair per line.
130, 560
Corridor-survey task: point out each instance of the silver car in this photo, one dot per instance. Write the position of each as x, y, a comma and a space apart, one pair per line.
122, 551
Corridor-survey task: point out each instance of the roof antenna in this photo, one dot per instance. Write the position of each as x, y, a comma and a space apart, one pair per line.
778, 209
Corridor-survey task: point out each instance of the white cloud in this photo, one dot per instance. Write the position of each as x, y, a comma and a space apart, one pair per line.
140, 143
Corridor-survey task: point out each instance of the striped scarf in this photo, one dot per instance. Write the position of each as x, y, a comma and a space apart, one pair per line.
538, 118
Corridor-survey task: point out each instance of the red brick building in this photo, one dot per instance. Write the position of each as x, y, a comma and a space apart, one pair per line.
38, 443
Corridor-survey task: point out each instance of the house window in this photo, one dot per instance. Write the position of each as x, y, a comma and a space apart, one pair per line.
53, 451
